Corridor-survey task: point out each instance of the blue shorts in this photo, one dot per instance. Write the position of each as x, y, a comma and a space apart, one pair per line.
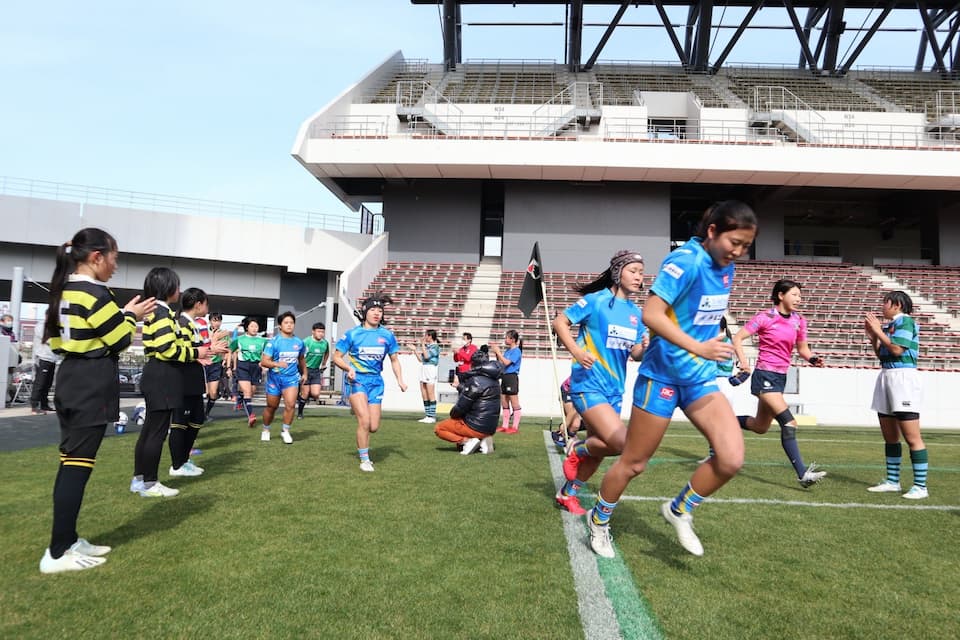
249, 372
314, 376
276, 383
661, 398
370, 384
213, 372
767, 382
583, 400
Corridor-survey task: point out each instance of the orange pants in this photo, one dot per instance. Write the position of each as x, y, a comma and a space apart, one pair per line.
456, 430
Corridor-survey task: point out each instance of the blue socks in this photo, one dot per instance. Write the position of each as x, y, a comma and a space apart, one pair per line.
686, 501
894, 454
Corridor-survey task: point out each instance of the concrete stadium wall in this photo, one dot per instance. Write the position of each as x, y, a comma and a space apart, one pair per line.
580, 226
834, 397
433, 220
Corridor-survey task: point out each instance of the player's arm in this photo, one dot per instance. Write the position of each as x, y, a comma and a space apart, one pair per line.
343, 365
738, 339
397, 371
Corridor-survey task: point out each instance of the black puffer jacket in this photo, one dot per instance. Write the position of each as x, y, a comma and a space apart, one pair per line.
479, 401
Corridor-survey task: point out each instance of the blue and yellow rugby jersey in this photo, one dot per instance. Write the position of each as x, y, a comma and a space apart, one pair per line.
365, 349
608, 332
164, 338
92, 325
288, 351
696, 291
904, 332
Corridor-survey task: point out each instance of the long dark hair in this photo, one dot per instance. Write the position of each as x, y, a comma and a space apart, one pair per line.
611, 275
727, 215
69, 255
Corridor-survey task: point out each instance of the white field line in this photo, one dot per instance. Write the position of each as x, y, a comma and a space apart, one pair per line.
597, 616
801, 503
804, 439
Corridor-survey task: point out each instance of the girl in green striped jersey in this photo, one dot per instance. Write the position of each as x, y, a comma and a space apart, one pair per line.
85, 325
897, 394
249, 347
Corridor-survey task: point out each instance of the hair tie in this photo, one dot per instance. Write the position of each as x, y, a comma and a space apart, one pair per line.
68, 248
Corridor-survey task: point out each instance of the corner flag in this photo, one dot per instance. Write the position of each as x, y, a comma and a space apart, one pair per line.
531, 294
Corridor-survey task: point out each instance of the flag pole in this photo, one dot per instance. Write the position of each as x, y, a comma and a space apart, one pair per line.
553, 354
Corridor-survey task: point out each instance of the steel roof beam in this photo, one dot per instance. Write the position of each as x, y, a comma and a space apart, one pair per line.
606, 35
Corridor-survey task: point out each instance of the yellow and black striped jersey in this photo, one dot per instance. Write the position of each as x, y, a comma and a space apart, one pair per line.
190, 331
92, 325
165, 339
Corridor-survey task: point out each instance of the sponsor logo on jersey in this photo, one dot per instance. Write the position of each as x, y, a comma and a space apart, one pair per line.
667, 393
673, 270
581, 303
726, 280
634, 320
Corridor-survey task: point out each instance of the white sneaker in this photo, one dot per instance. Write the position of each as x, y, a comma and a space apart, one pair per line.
136, 484
188, 470
486, 445
683, 525
885, 487
470, 446
810, 476
428, 420
286, 437
84, 547
366, 465
69, 561
424, 420
600, 539
705, 458
916, 493
265, 436
158, 490
189, 464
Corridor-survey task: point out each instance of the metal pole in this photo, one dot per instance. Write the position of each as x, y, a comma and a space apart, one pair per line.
16, 298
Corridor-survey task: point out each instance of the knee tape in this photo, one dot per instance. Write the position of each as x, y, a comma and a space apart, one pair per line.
784, 418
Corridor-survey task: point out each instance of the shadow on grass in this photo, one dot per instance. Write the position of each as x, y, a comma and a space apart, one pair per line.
661, 537
161, 515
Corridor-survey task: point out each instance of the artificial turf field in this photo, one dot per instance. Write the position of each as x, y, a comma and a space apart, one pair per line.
278, 541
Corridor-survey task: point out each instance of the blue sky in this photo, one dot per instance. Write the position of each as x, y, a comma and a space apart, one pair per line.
203, 98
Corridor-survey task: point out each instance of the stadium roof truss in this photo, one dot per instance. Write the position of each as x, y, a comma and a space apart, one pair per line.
818, 33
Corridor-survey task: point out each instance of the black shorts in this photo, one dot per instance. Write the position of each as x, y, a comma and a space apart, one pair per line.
191, 414
213, 372
314, 376
767, 382
162, 385
510, 384
87, 392
249, 372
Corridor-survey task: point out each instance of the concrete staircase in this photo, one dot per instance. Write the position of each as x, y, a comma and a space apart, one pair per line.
922, 304
481, 302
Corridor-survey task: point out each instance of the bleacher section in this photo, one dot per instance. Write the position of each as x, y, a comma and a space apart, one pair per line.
620, 81
410, 71
835, 298
425, 296
821, 94
939, 284
505, 83
914, 92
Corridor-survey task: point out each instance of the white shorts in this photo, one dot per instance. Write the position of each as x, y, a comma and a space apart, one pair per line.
428, 373
897, 390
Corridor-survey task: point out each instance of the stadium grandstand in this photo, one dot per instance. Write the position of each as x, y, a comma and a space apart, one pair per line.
853, 171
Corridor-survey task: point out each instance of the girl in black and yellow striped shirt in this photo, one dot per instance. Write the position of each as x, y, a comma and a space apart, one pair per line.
166, 346
85, 325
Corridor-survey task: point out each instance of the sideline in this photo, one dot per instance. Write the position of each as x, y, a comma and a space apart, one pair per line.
607, 599
801, 503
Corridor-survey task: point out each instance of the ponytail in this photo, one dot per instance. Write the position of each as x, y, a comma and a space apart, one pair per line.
69, 255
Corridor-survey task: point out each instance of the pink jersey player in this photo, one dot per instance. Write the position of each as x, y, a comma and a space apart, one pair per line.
778, 335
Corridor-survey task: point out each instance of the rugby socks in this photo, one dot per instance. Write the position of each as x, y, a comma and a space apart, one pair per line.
894, 456
67, 496
788, 440
516, 419
572, 488
602, 511
686, 501
192, 433
581, 449
179, 448
364, 454
247, 406
210, 403
429, 408
506, 419
919, 461
301, 403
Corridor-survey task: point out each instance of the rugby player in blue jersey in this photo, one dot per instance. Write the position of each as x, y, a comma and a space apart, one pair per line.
284, 357
679, 370
360, 353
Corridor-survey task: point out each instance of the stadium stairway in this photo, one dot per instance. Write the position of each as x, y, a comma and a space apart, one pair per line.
924, 304
481, 303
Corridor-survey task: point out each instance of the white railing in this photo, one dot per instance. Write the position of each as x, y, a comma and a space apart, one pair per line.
784, 105
689, 131
85, 194
562, 108
356, 126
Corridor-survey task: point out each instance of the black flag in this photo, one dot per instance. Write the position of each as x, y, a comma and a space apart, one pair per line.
532, 293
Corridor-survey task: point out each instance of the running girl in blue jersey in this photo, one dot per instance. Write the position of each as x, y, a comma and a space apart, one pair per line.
611, 330
284, 357
360, 353
679, 369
